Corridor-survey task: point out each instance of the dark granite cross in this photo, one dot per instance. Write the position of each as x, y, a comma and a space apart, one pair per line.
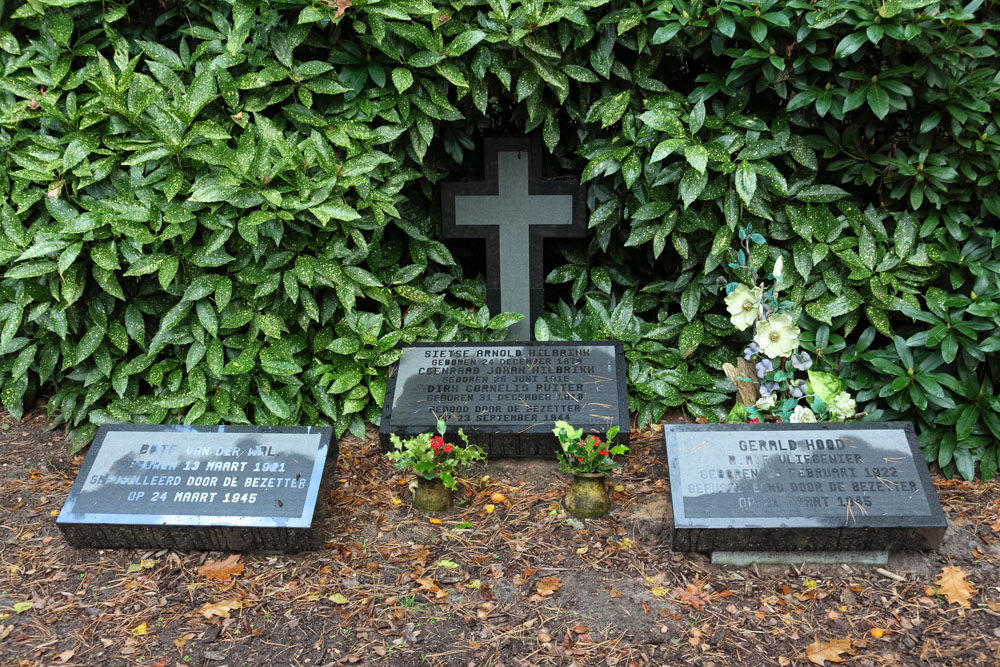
514, 210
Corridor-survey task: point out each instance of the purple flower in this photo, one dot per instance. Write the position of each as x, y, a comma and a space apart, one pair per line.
802, 361
798, 389
764, 366
750, 351
768, 388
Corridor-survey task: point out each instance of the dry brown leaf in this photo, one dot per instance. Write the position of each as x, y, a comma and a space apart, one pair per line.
579, 628
223, 570
819, 652
544, 637
485, 610
952, 584
691, 595
220, 609
341, 6
548, 585
66, 655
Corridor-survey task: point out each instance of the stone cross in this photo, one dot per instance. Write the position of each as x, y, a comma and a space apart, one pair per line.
514, 210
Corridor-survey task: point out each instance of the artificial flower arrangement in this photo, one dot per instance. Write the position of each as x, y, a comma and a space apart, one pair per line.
586, 455
432, 458
774, 352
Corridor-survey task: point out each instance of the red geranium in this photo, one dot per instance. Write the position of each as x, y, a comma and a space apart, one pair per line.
447, 449
753, 421
604, 452
437, 442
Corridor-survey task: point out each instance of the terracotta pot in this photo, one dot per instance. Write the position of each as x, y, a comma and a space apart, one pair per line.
587, 497
431, 495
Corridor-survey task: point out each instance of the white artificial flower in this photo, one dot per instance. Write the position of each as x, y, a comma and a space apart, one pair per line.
843, 407
777, 337
743, 304
766, 403
802, 415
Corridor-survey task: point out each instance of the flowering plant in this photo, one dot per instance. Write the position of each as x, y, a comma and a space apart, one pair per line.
773, 352
583, 455
431, 457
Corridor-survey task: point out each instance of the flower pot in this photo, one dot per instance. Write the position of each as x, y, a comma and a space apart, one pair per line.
431, 495
587, 497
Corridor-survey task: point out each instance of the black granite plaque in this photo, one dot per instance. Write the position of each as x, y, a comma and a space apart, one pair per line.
799, 487
227, 488
507, 396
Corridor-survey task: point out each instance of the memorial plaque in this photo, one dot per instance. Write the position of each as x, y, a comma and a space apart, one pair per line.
225, 488
507, 396
798, 487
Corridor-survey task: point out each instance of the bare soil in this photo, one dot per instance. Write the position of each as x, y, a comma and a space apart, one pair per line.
504, 578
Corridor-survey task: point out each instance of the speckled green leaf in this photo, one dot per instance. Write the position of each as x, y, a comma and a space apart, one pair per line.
690, 337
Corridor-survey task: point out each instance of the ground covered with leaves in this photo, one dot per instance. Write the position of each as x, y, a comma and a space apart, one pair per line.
503, 578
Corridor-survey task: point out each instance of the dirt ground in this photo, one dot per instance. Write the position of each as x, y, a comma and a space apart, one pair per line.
504, 578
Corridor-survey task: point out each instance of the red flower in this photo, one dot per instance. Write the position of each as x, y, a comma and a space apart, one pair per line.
447, 449
753, 421
579, 458
596, 441
604, 452
437, 442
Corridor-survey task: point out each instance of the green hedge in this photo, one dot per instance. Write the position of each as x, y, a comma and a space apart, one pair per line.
227, 212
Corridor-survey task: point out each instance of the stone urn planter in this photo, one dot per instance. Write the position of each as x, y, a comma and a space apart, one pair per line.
431, 495
588, 496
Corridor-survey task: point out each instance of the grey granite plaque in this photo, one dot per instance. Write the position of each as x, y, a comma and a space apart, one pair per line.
507, 396
797, 487
230, 488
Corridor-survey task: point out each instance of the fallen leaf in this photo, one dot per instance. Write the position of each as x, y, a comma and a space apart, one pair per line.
544, 637
498, 497
140, 629
65, 656
547, 586
819, 652
952, 584
451, 565
434, 520
658, 591
579, 628
223, 570
615, 594
338, 598
21, 607
489, 508
475, 584
484, 610
692, 595
220, 609
877, 632
396, 501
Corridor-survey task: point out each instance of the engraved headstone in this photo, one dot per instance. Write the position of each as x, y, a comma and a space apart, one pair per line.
506, 396
514, 210
227, 488
801, 487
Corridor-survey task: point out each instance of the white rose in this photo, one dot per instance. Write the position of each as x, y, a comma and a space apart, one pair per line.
802, 415
766, 403
743, 304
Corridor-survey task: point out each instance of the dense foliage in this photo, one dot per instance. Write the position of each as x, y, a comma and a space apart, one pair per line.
217, 211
